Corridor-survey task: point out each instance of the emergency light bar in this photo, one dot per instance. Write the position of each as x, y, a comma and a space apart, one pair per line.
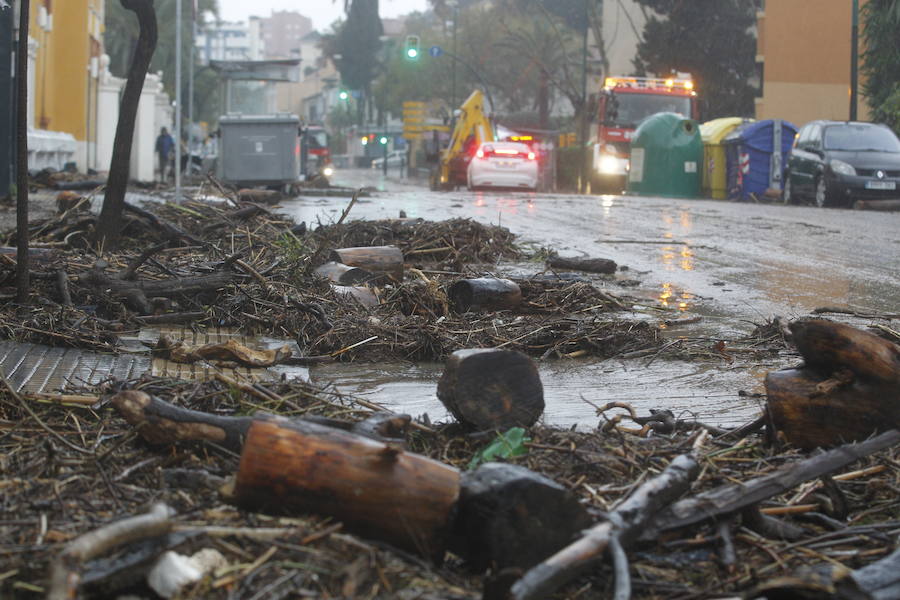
648, 83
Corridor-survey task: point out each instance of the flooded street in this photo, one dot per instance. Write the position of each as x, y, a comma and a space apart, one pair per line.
735, 265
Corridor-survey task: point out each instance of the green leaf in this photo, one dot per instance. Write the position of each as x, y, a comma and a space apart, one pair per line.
511, 443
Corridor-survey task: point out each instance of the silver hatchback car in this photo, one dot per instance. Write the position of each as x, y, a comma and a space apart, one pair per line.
503, 165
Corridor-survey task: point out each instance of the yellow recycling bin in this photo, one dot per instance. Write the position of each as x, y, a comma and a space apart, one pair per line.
712, 133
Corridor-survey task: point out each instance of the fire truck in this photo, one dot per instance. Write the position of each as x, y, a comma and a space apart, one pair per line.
623, 104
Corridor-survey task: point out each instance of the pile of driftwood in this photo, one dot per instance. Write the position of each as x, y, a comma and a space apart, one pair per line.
421, 294
296, 490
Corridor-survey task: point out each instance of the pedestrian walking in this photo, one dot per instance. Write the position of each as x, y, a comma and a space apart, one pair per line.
165, 145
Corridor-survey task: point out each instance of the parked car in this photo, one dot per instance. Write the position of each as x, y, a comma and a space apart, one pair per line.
395, 158
833, 163
504, 165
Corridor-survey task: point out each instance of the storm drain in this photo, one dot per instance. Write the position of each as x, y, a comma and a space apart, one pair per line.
38, 369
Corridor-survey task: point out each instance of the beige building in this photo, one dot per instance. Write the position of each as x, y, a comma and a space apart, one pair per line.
803, 50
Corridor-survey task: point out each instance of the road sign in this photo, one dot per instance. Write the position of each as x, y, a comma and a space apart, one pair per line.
435, 51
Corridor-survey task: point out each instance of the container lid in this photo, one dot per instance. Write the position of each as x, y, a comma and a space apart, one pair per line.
713, 132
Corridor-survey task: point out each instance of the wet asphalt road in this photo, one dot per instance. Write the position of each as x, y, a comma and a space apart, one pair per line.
734, 264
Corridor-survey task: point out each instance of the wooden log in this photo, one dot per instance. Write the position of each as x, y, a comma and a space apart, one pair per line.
504, 518
828, 346
615, 534
484, 293
137, 293
295, 467
885, 205
809, 412
591, 265
492, 389
387, 260
160, 422
364, 295
67, 200
264, 196
342, 274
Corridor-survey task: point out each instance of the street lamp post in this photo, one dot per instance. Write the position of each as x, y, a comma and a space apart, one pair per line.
583, 170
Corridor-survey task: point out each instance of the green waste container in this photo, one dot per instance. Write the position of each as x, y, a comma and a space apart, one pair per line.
666, 153
712, 133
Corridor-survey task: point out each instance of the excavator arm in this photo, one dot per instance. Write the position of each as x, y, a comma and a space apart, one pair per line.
472, 128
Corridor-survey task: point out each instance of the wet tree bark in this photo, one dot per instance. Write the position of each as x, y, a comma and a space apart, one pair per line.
591, 265
376, 489
23, 281
492, 389
110, 223
485, 293
138, 293
848, 389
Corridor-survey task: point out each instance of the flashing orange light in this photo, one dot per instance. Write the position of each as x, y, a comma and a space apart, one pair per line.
670, 82
521, 138
688, 85
610, 82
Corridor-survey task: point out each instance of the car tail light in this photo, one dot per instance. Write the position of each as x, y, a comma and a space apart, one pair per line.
479, 153
531, 156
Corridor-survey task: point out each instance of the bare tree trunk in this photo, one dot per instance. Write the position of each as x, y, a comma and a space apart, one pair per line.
22, 278
110, 224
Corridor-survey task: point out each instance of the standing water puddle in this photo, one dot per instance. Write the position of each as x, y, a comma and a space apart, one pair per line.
689, 390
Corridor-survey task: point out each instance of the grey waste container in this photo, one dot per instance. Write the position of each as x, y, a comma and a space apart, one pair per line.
259, 149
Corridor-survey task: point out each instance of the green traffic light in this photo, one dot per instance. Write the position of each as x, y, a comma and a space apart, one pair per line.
412, 53
343, 95
383, 140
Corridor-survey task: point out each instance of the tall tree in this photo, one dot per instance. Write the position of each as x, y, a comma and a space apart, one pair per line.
711, 39
22, 267
358, 44
881, 59
110, 222
121, 37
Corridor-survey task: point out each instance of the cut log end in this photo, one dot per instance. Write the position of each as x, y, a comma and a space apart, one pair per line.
492, 389
486, 293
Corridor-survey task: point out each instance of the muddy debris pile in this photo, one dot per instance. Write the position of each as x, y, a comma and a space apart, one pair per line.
98, 495
241, 265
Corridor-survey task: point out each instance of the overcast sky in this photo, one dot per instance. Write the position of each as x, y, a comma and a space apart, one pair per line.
322, 12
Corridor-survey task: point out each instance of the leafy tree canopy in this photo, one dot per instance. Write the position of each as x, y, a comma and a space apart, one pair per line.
121, 37
711, 39
358, 43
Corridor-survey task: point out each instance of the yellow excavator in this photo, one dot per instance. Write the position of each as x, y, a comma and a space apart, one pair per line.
472, 128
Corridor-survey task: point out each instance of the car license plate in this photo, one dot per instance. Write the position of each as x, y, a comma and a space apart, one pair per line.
881, 185
506, 164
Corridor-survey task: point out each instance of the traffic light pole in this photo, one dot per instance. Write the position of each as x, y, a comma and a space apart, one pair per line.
384, 165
